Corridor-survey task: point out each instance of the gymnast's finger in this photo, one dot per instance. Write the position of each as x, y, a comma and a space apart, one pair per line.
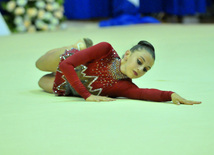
194, 102
176, 102
107, 99
187, 102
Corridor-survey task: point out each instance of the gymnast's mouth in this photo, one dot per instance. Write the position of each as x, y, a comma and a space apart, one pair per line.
135, 73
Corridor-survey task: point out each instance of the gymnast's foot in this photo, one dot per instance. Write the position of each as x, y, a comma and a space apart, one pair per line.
84, 43
81, 44
88, 42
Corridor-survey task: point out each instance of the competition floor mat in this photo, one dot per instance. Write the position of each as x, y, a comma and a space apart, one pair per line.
33, 122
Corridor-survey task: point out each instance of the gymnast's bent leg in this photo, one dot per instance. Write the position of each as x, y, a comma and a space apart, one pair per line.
50, 61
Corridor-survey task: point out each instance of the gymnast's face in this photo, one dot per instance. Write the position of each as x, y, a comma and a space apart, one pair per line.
136, 64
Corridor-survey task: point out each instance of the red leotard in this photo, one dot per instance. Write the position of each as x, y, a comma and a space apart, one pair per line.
96, 70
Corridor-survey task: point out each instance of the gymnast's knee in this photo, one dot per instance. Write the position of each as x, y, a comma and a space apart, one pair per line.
46, 82
39, 65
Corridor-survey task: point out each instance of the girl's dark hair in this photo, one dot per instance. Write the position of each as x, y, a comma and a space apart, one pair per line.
144, 45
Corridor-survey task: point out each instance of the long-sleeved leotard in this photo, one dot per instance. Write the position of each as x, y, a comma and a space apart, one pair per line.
96, 70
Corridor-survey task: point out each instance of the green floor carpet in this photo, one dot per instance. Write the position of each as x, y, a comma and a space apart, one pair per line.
33, 122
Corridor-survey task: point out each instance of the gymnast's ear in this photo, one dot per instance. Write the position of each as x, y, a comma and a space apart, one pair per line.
127, 54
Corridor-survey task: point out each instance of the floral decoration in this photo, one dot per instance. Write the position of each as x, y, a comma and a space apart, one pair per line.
33, 15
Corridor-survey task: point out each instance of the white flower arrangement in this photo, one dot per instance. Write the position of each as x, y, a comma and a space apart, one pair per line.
40, 4
33, 15
11, 5
21, 2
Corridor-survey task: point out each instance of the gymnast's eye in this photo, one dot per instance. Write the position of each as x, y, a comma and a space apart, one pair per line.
139, 62
145, 70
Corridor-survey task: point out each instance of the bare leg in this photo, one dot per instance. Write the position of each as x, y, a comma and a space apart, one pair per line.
50, 61
46, 82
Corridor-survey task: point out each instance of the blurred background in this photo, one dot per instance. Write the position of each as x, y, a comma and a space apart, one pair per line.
50, 15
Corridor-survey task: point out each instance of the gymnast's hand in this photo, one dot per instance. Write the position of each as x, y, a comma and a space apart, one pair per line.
176, 99
99, 98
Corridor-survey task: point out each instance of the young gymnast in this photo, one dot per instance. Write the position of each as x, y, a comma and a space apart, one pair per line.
97, 73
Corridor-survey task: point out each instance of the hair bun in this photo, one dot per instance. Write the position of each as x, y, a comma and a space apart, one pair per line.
143, 43
146, 43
